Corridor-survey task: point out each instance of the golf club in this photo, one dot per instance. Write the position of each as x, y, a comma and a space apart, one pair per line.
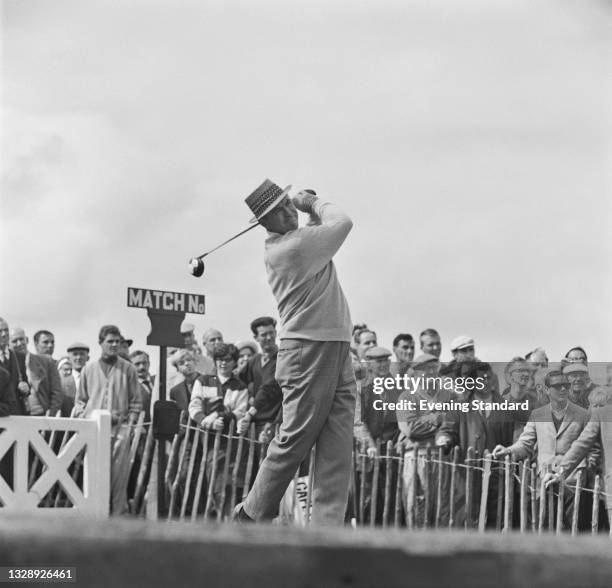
196, 264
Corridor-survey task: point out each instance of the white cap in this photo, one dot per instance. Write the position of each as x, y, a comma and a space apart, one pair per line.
461, 342
187, 328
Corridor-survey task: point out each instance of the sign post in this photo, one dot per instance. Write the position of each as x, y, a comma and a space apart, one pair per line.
166, 311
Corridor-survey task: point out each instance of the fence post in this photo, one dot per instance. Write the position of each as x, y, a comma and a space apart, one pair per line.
388, 472
235, 471
595, 510
99, 462
469, 481
213, 475
399, 485
533, 490
179, 468
353, 484
427, 487
576, 510
451, 506
225, 474
250, 457
374, 492
195, 441
201, 475
362, 484
542, 514
412, 495
524, 473
507, 495
440, 469
311, 467
560, 506
484, 494
551, 508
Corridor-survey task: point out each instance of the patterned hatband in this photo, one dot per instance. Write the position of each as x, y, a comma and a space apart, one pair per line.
265, 198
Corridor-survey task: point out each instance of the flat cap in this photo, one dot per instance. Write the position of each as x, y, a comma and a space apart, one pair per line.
424, 359
575, 367
377, 353
75, 346
461, 342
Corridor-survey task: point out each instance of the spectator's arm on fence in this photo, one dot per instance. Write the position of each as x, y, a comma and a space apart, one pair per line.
581, 446
525, 444
419, 425
267, 397
594, 456
448, 434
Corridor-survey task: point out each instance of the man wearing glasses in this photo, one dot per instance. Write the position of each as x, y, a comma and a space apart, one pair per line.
554, 427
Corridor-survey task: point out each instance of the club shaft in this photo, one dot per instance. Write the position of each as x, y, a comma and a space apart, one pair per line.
226, 242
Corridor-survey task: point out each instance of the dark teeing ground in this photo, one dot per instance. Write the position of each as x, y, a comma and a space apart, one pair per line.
120, 553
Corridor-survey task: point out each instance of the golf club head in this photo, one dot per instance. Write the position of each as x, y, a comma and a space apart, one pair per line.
196, 267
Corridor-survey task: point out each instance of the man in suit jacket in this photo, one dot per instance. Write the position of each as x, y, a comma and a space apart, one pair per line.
597, 430
140, 360
18, 388
184, 362
553, 427
7, 398
482, 430
40, 372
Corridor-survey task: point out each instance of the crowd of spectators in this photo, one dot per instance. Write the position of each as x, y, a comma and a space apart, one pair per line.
564, 423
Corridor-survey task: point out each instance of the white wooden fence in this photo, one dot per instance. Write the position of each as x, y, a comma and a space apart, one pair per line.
56, 462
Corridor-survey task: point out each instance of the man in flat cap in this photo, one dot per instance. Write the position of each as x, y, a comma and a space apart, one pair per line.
583, 391
79, 356
381, 423
418, 427
313, 365
462, 348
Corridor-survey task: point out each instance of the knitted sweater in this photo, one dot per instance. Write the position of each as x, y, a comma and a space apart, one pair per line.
118, 392
303, 278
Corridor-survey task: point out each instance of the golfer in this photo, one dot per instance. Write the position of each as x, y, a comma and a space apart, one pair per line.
313, 366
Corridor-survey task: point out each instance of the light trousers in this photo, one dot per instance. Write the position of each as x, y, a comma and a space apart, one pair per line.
318, 387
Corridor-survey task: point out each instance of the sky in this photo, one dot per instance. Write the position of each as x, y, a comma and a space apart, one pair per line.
470, 142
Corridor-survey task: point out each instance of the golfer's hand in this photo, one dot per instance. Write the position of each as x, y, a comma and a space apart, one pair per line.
218, 424
500, 451
303, 201
371, 452
551, 478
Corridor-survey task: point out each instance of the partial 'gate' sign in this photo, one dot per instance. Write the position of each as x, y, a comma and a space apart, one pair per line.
162, 301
